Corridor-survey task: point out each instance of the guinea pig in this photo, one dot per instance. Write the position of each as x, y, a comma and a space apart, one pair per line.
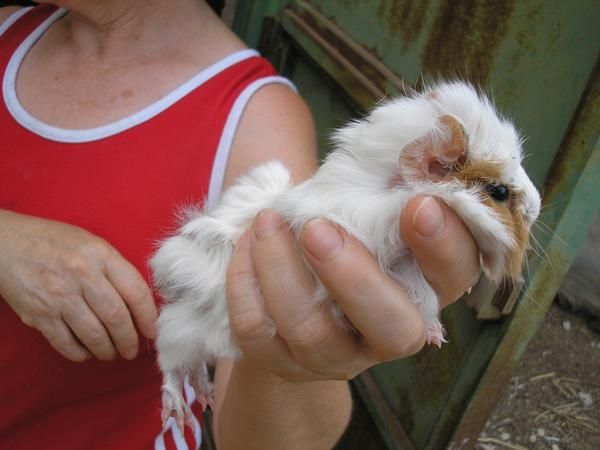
448, 142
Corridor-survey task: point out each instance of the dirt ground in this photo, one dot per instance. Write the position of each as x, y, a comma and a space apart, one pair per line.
553, 401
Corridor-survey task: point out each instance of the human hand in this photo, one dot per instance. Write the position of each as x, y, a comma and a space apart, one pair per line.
74, 288
267, 280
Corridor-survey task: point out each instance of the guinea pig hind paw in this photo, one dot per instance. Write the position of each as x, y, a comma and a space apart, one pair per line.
436, 334
173, 405
206, 400
203, 388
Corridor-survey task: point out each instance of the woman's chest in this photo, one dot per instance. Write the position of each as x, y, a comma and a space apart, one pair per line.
79, 95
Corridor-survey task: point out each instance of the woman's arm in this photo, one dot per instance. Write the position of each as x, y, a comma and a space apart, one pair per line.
73, 287
256, 408
289, 390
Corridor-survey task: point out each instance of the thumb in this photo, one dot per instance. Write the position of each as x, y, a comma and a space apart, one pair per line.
442, 245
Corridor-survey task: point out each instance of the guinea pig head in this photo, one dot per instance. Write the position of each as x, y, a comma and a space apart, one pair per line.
474, 156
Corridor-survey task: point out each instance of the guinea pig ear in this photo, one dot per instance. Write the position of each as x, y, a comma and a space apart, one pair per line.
435, 155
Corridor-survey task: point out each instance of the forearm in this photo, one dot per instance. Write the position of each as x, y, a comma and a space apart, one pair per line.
258, 410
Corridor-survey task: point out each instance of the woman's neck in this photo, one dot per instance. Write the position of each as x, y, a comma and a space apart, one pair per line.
104, 27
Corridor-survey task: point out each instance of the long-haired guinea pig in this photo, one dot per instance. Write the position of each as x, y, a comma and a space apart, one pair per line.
448, 142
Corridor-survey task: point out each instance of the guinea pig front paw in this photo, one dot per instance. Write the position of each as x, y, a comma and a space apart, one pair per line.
435, 334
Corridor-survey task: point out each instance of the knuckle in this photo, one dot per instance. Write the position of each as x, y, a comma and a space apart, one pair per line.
414, 340
116, 315
381, 354
248, 325
346, 374
77, 266
41, 307
53, 285
342, 371
452, 291
240, 282
28, 320
95, 336
137, 291
66, 347
94, 248
408, 344
99, 247
310, 336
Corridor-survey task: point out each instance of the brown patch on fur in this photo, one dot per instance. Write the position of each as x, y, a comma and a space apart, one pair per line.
513, 260
434, 155
482, 173
478, 172
516, 257
459, 141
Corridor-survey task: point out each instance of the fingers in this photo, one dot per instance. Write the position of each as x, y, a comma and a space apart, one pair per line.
249, 320
267, 280
89, 330
134, 290
114, 316
445, 250
288, 289
389, 323
103, 321
62, 340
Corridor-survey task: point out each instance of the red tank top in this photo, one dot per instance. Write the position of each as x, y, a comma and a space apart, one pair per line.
123, 182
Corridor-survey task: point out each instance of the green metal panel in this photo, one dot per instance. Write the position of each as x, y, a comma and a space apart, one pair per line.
539, 61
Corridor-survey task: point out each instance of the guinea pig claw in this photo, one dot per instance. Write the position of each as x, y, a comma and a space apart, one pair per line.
174, 406
207, 401
435, 334
203, 388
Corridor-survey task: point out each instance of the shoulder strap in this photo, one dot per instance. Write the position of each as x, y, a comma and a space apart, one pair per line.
18, 26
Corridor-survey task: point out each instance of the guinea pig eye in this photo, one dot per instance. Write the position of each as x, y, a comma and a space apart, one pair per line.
498, 192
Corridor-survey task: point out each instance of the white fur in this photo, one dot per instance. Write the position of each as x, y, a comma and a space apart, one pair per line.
352, 188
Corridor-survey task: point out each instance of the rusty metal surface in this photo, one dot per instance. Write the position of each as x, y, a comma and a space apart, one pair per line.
361, 74
535, 57
360, 87
391, 429
572, 181
464, 38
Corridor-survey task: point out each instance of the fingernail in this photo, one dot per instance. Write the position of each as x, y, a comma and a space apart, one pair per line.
130, 354
266, 223
429, 218
322, 240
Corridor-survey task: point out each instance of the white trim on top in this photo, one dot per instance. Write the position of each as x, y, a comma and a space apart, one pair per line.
217, 175
12, 19
91, 134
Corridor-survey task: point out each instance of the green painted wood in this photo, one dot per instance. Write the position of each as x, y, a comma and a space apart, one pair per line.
537, 59
248, 19
572, 181
328, 109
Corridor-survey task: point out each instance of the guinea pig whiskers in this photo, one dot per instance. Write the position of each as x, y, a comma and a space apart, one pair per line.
549, 230
526, 262
539, 252
537, 304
